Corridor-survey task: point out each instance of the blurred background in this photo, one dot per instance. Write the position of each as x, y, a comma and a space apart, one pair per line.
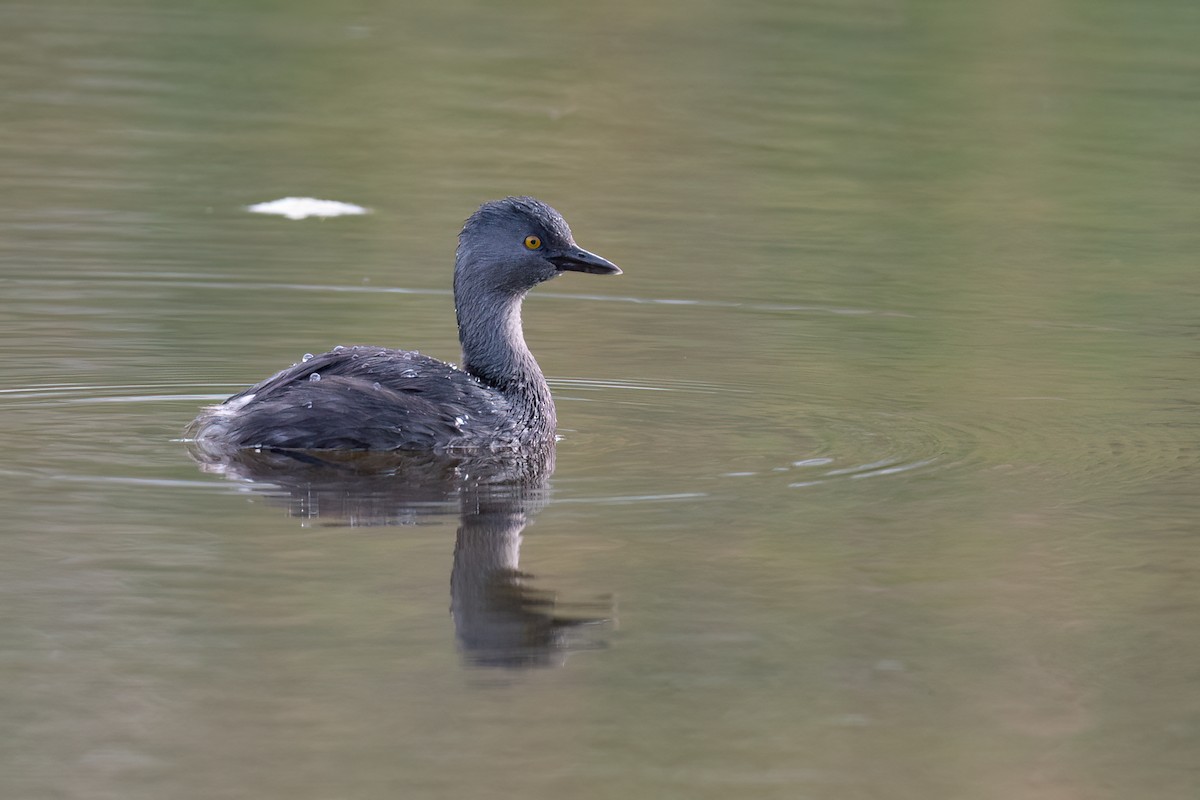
879, 465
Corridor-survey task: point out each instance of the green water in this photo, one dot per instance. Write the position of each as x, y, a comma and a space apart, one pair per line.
881, 461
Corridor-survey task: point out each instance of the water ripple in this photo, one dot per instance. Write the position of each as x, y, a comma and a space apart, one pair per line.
189, 281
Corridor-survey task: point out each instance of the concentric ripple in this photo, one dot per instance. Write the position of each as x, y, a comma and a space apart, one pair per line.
716, 432
1049, 441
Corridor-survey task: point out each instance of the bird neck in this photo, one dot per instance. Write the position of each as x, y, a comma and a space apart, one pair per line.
494, 350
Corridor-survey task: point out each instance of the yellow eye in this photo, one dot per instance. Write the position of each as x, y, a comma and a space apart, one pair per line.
533, 242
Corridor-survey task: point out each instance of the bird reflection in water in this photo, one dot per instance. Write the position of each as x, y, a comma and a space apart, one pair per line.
500, 618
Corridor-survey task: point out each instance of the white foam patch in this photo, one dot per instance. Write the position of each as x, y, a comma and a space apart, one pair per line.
303, 207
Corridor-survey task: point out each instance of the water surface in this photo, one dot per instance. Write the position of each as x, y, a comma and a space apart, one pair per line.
878, 471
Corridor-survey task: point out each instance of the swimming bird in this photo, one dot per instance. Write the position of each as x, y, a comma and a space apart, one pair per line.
374, 398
